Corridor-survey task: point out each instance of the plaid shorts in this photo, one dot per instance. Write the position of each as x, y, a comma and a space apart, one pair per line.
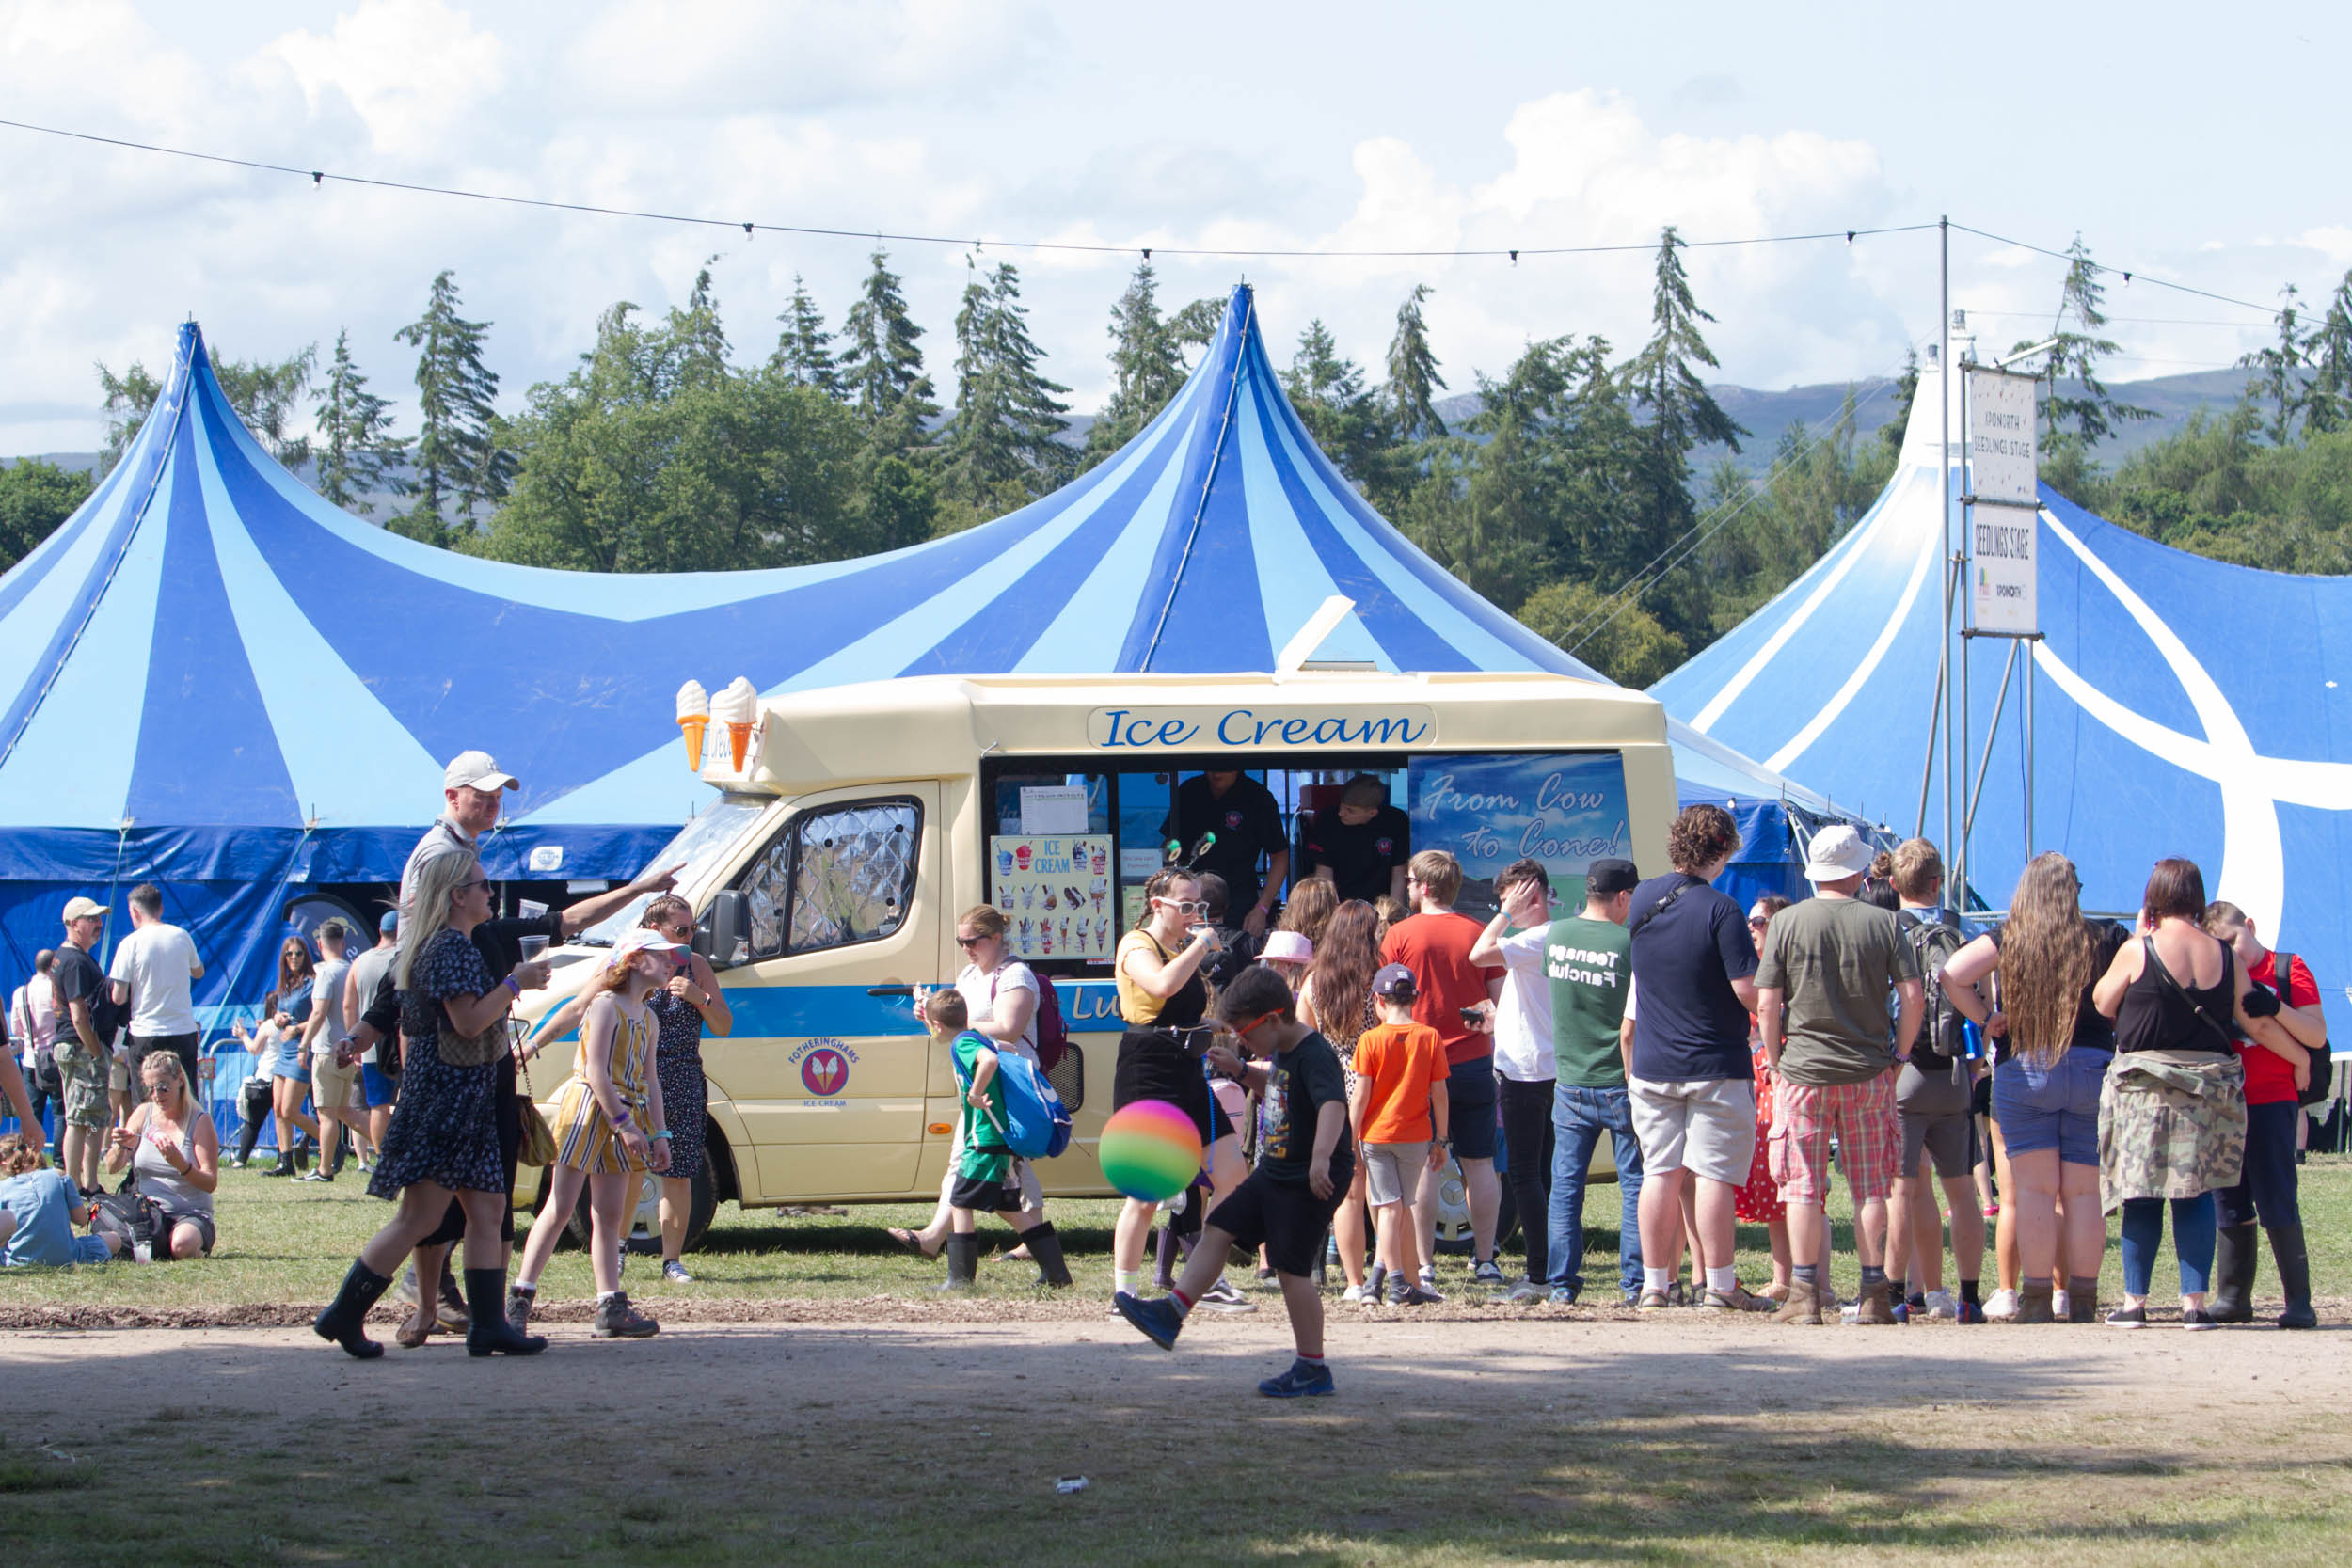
1869, 1139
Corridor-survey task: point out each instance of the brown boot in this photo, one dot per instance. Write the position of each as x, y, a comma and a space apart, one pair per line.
1874, 1305
2034, 1305
1803, 1305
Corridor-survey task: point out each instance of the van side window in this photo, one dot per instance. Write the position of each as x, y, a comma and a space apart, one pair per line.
767, 888
853, 875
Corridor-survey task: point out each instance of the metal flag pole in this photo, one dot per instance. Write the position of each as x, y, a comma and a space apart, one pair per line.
1967, 630
1944, 487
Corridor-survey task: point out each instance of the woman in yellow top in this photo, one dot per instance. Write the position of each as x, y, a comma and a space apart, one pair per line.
609, 1127
1162, 998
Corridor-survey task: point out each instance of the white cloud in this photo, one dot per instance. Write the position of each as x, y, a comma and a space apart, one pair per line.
415, 72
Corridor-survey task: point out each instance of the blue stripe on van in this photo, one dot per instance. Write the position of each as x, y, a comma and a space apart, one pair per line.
803, 1012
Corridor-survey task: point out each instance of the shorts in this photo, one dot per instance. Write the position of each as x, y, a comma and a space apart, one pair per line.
380, 1088
2051, 1107
85, 1096
1980, 1097
1471, 1095
300, 1072
983, 1196
118, 1072
1950, 1138
91, 1249
1392, 1172
1704, 1125
1863, 1117
332, 1087
174, 1218
1289, 1222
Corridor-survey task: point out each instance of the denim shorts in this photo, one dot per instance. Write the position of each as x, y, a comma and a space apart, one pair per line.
2053, 1107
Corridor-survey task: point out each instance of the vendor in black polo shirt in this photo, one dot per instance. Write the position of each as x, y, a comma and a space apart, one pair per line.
1247, 822
1360, 845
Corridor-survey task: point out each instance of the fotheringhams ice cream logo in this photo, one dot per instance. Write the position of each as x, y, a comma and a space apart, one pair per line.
824, 1066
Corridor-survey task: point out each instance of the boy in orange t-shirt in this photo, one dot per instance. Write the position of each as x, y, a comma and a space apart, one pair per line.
1398, 1109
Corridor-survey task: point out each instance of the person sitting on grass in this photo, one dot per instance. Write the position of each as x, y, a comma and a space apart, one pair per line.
1304, 1164
1398, 1111
173, 1151
985, 1177
39, 1210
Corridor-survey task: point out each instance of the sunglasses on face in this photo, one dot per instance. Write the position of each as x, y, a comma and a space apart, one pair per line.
967, 943
1187, 906
1254, 1025
478, 881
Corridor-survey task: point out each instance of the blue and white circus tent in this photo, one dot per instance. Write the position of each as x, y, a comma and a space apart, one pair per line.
225, 685
2182, 706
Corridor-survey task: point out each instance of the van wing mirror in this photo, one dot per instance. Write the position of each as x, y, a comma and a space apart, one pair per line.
723, 934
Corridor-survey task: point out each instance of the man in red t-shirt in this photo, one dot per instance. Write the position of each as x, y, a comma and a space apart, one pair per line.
1435, 943
2265, 1187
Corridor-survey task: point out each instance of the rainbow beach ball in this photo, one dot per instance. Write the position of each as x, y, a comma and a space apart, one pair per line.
1150, 1150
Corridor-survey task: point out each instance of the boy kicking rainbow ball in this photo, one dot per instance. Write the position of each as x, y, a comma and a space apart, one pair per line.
1305, 1163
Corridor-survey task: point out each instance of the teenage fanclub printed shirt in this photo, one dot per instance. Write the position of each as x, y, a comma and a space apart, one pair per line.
1301, 1082
1363, 860
2270, 1077
1589, 966
1690, 1027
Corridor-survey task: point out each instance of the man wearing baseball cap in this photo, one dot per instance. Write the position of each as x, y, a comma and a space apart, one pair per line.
81, 1055
1821, 985
475, 788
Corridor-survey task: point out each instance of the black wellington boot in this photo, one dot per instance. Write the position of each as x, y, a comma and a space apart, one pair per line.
2234, 1251
345, 1319
2295, 1275
488, 1332
963, 1262
1044, 1245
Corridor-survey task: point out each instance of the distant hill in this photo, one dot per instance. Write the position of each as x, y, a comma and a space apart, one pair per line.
1765, 414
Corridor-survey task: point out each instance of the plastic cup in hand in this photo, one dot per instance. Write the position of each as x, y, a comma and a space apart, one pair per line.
533, 948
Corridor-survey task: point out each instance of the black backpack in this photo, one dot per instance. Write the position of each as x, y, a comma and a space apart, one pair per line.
1943, 1033
2323, 1077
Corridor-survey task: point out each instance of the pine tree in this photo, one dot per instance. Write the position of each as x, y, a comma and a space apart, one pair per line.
882, 368
2327, 399
1413, 378
460, 464
2076, 354
805, 348
1002, 447
1328, 390
357, 448
1147, 366
1682, 414
2281, 367
698, 343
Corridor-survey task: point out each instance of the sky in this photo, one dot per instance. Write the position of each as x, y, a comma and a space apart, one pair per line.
2178, 146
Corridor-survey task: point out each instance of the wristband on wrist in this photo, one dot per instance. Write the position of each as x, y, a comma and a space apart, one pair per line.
622, 1120
663, 1137
513, 985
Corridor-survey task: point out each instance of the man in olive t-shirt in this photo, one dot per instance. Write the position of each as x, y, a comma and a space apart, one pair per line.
1830, 963
1588, 962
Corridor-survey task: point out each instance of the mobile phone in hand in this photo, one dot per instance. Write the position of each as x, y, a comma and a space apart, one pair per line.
1472, 1014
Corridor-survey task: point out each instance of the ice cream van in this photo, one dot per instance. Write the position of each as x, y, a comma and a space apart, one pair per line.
849, 826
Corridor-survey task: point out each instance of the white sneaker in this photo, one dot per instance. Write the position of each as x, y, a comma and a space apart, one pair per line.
1941, 1305
674, 1271
2002, 1306
1359, 1294
2062, 1305
1223, 1297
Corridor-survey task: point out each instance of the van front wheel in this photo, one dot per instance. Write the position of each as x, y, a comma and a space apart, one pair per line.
644, 1225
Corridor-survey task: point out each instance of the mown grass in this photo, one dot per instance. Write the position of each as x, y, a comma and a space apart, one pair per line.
285, 1242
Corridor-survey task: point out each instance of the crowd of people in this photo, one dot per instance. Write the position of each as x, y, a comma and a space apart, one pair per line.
1364, 1051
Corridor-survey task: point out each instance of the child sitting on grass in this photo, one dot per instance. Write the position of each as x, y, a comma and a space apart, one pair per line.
985, 1175
1305, 1165
1399, 1114
39, 1210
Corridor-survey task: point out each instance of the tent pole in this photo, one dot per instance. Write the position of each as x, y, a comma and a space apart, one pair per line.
1984, 763
1966, 614
1943, 486
2029, 702
1935, 719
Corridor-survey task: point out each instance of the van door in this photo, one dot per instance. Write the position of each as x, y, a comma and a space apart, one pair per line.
829, 1081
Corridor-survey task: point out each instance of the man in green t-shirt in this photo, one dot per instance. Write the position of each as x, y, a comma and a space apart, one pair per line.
1588, 962
1831, 961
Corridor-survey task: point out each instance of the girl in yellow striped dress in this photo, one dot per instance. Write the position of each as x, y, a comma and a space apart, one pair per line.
608, 1127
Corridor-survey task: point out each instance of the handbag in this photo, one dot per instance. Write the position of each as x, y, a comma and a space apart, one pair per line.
462, 1050
538, 1143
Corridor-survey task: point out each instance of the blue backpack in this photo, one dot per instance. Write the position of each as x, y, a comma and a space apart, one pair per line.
1036, 1125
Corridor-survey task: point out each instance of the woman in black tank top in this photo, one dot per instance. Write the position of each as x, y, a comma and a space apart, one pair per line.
2172, 1113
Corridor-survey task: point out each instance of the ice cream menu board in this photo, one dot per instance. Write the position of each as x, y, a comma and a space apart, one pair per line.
1058, 895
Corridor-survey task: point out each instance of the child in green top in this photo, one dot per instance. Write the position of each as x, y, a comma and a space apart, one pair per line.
985, 1175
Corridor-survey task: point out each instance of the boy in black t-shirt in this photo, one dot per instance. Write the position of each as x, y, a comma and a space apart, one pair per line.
1305, 1165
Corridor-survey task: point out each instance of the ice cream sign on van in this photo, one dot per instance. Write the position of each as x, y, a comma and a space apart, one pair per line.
1142, 729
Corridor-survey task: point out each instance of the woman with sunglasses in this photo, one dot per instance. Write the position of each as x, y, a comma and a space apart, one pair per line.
683, 1007
1000, 1001
290, 1074
1163, 999
174, 1156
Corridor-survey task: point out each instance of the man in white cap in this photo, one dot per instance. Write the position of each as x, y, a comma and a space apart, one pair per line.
474, 788
1828, 966
81, 1054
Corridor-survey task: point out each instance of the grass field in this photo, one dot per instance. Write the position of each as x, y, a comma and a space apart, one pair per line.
833, 1410
288, 1242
